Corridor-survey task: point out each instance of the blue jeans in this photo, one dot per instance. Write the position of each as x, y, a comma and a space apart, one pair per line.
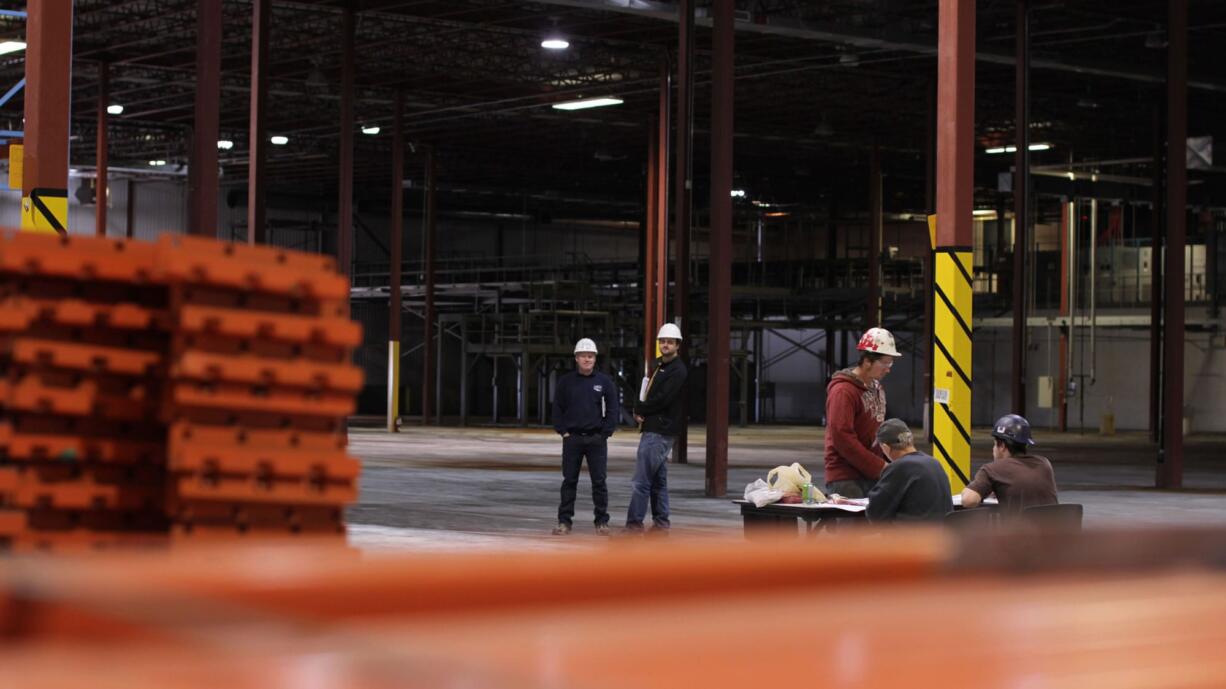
650, 482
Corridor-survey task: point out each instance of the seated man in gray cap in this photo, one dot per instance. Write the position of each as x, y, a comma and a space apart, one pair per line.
913, 486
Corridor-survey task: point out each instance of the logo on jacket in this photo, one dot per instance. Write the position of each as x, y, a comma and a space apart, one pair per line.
598, 388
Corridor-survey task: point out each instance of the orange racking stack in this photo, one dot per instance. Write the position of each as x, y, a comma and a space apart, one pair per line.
184, 387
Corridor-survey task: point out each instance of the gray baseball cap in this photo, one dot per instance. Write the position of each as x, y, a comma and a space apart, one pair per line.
890, 430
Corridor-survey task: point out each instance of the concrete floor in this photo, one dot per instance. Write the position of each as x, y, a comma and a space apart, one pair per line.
465, 488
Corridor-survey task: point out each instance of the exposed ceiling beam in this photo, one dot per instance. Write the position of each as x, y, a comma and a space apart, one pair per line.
830, 33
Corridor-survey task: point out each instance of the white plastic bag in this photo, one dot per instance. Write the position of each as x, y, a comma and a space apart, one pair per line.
759, 493
788, 479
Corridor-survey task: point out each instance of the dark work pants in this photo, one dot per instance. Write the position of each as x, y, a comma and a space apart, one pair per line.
595, 449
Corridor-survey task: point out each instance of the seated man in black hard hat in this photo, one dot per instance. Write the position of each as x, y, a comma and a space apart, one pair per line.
913, 487
1018, 478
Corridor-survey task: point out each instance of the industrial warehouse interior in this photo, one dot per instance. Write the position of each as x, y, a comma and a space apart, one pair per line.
594, 343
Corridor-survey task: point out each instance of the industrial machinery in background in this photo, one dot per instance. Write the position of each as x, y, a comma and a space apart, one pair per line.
179, 389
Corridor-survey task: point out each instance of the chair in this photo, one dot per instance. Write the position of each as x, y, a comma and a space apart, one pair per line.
971, 519
1049, 518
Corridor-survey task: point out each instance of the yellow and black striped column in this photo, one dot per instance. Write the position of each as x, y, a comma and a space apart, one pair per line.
951, 394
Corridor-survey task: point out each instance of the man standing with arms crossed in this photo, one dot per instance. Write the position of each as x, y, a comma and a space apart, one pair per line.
855, 406
585, 411
659, 412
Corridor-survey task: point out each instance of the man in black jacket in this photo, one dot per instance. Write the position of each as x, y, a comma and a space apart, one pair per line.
585, 411
913, 487
659, 413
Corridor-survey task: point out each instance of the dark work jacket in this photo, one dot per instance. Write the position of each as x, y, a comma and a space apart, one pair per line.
577, 404
664, 409
913, 487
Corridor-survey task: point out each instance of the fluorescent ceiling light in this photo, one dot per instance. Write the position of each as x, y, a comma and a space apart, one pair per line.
555, 43
7, 47
157, 163
1013, 149
225, 144
114, 109
370, 130
584, 104
738, 193
279, 140
981, 212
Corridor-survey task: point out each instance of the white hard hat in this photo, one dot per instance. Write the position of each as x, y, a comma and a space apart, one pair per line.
585, 345
878, 341
669, 330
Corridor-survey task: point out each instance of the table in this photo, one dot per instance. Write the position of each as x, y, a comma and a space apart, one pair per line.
816, 517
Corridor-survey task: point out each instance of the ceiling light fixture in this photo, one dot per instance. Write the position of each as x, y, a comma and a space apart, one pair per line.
584, 104
7, 47
1013, 149
157, 163
225, 144
371, 130
555, 43
278, 140
738, 193
114, 109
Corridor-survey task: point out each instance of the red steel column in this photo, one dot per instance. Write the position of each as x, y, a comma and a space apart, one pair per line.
683, 190
1170, 467
396, 249
47, 100
1155, 284
344, 206
952, 284
872, 312
720, 272
427, 380
202, 173
1021, 206
663, 120
258, 155
104, 95
651, 248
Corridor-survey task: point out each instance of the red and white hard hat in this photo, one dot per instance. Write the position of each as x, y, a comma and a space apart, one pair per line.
878, 341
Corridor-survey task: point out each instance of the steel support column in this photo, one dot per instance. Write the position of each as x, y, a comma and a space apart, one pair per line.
872, 312
100, 151
719, 289
683, 190
44, 185
663, 119
395, 251
954, 253
344, 206
1068, 234
427, 376
1170, 460
130, 227
651, 261
1155, 282
930, 205
261, 64
1021, 205
202, 173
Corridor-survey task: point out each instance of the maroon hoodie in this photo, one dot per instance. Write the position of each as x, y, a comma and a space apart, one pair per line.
853, 412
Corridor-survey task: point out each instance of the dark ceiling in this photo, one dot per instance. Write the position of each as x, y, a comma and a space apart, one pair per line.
817, 85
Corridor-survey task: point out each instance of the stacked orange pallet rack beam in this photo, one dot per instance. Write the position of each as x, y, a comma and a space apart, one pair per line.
186, 387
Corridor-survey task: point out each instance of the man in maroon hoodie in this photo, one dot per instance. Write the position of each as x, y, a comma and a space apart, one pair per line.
855, 406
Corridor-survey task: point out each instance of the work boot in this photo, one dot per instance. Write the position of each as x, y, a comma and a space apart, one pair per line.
562, 529
602, 529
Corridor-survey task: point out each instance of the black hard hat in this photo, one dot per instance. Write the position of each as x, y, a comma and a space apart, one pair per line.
1012, 428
